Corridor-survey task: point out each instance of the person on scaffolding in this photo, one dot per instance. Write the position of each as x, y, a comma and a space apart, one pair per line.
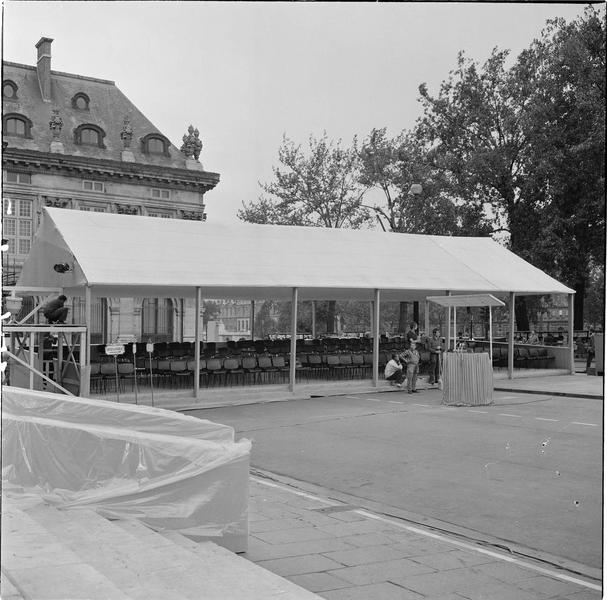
55, 311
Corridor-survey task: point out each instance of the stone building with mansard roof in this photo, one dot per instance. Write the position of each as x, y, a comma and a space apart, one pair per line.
78, 142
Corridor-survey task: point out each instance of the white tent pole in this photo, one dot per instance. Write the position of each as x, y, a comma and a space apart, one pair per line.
571, 345
375, 338
313, 319
427, 318
448, 293
511, 339
85, 371
252, 319
454, 327
292, 364
197, 341
490, 337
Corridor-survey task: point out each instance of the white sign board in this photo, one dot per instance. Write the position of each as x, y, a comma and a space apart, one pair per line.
114, 349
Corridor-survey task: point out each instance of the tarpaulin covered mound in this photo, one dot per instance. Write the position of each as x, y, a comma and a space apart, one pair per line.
168, 470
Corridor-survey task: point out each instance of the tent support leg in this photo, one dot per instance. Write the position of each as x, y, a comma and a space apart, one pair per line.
570, 332
427, 318
375, 329
292, 364
313, 319
490, 338
197, 342
85, 345
252, 319
511, 338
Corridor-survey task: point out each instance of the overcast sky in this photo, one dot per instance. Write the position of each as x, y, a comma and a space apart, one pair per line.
245, 73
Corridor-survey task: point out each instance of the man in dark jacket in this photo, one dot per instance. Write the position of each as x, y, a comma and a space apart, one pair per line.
436, 348
55, 312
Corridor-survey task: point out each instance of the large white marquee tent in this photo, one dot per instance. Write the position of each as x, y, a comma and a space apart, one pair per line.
113, 255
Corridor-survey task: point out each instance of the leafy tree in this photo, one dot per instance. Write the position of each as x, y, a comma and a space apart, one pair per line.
317, 188
394, 166
525, 145
566, 129
211, 310
264, 324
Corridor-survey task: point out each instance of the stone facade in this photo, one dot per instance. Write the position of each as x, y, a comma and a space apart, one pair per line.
79, 143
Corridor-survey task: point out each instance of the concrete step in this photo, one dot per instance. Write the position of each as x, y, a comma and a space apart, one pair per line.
143, 568
51, 554
231, 576
40, 566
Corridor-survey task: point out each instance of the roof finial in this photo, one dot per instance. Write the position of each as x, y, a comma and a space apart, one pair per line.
192, 145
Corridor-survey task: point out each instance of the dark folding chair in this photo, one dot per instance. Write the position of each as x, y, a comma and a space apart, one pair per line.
250, 368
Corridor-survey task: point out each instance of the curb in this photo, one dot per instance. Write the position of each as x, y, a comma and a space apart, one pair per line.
546, 393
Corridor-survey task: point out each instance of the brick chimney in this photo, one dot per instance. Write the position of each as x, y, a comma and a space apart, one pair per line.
43, 66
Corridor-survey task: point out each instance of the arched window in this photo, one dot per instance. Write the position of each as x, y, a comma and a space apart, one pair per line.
16, 125
9, 89
89, 135
81, 101
155, 143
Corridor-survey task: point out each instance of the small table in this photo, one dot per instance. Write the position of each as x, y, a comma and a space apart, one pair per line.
467, 379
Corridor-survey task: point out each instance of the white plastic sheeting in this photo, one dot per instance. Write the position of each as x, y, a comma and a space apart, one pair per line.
168, 470
128, 256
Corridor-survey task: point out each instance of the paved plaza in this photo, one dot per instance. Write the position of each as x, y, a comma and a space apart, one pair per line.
317, 544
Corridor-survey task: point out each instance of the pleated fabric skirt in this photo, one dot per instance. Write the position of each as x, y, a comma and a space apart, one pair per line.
467, 379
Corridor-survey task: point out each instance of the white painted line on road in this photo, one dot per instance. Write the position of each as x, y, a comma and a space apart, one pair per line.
545, 419
352, 398
436, 536
424, 405
516, 561
509, 397
374, 399
588, 424
395, 402
507, 415
283, 487
484, 412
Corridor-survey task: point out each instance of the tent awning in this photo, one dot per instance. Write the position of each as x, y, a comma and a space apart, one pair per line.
126, 256
466, 300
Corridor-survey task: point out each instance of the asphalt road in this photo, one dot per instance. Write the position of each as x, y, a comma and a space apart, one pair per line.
525, 471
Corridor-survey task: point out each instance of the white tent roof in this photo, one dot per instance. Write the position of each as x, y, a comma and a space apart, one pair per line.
124, 255
466, 300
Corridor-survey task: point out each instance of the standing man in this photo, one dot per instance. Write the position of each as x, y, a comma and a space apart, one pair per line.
411, 358
591, 349
412, 334
436, 348
55, 312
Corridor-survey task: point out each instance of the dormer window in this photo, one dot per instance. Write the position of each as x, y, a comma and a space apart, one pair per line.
16, 125
81, 101
89, 135
155, 143
9, 89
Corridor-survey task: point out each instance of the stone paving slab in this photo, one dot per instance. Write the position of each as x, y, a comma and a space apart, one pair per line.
384, 559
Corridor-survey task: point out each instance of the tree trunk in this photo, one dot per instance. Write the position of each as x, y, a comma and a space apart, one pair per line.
331, 316
578, 305
520, 311
402, 317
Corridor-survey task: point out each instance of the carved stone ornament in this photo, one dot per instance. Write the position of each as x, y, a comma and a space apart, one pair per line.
191, 143
126, 209
56, 202
55, 124
126, 135
192, 215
